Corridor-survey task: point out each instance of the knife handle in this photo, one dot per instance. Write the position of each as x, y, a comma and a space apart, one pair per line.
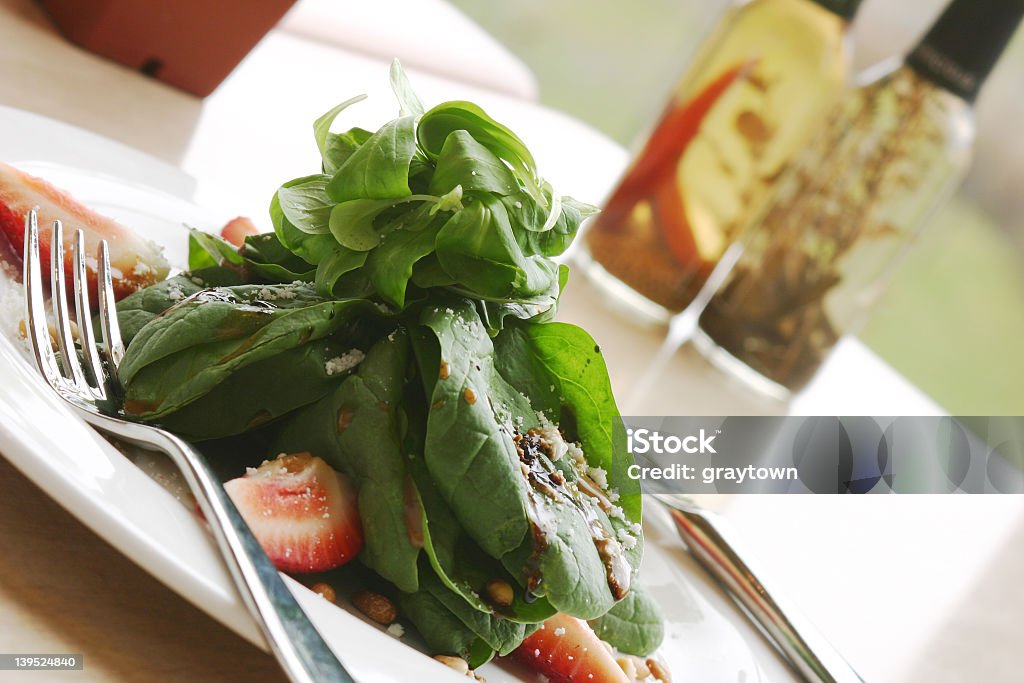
714, 545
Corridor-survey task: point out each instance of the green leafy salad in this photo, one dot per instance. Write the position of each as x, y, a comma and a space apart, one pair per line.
398, 323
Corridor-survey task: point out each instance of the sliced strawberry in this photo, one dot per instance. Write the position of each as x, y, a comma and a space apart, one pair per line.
10, 257
135, 262
301, 511
566, 650
237, 229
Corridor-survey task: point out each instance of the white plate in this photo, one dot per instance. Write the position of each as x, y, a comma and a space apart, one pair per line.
707, 639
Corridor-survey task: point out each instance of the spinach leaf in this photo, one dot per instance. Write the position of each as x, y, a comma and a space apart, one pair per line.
362, 224
459, 563
198, 343
306, 204
358, 431
338, 262
502, 635
390, 266
469, 455
574, 361
259, 393
572, 575
464, 161
267, 260
206, 250
442, 631
473, 406
634, 626
574, 369
322, 132
409, 104
538, 309
436, 125
340, 146
478, 248
351, 222
523, 210
517, 362
310, 248
137, 309
428, 273
220, 276
379, 168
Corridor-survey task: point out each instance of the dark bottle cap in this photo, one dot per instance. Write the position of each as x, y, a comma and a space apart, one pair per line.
963, 46
844, 8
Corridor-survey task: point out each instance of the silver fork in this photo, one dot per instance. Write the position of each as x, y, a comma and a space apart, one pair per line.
298, 646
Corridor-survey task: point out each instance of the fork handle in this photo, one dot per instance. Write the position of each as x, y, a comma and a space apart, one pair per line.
298, 646
713, 544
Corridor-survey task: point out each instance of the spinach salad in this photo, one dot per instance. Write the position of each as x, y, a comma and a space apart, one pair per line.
398, 323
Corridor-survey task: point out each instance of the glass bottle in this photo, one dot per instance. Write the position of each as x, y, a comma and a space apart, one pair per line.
757, 89
821, 251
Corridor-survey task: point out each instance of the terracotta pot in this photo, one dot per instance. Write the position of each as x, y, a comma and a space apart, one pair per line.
190, 44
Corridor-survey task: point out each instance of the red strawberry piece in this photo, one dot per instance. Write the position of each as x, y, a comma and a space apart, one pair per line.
566, 650
302, 512
135, 262
237, 229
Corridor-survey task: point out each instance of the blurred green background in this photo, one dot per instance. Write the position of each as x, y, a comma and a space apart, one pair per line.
953, 319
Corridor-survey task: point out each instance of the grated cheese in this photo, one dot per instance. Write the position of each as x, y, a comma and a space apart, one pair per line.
344, 362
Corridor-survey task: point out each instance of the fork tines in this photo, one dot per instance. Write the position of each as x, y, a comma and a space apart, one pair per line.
100, 360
